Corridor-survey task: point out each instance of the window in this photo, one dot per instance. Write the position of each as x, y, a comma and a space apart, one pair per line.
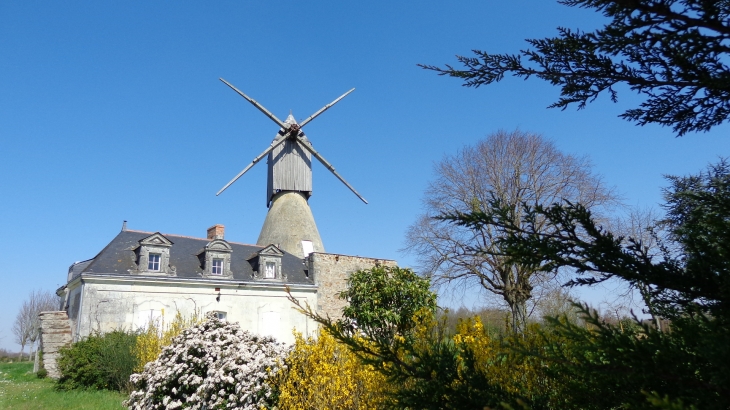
270, 270
153, 262
217, 267
220, 315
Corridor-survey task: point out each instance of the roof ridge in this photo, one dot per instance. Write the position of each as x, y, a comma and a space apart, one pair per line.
247, 244
183, 236
193, 237
206, 239
134, 230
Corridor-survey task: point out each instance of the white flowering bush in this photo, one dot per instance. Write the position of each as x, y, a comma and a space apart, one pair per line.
214, 365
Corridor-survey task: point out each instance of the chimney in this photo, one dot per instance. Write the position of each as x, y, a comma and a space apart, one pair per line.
216, 232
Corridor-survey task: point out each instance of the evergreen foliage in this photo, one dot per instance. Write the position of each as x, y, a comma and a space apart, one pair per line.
604, 366
674, 52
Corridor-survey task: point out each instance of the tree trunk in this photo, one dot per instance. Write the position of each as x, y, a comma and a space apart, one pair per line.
516, 297
519, 316
522, 319
518, 309
36, 362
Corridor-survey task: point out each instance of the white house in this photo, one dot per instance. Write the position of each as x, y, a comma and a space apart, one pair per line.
142, 276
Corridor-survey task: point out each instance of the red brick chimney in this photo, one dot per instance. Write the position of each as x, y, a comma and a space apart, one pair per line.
216, 232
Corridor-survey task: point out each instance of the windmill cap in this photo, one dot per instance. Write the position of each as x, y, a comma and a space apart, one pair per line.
290, 119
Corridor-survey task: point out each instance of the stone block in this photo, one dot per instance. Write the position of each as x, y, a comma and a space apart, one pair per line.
331, 272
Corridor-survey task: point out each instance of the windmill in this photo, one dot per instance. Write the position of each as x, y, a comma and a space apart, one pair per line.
289, 222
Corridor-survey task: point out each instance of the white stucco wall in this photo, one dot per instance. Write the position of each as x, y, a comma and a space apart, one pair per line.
109, 303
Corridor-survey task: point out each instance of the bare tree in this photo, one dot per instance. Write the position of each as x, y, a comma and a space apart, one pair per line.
21, 327
514, 168
26, 327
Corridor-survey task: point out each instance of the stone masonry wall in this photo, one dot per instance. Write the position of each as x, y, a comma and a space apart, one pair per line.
330, 275
55, 334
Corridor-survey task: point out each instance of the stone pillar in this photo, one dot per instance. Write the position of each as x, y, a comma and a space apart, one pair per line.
55, 334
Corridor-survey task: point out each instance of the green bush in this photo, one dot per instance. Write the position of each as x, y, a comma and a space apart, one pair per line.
99, 362
42, 373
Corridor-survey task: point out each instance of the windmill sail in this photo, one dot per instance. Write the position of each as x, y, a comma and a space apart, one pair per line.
325, 108
256, 104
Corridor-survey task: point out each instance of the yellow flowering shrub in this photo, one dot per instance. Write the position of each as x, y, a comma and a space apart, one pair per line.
323, 374
491, 357
471, 366
158, 334
500, 359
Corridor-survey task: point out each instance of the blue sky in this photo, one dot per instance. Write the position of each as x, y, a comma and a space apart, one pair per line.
113, 111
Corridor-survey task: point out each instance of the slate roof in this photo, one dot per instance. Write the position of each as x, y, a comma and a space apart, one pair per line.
78, 267
118, 258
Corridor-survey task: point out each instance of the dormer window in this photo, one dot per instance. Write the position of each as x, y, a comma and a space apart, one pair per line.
216, 259
153, 262
153, 256
267, 264
217, 267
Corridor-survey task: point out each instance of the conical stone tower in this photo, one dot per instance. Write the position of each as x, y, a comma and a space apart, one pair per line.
290, 225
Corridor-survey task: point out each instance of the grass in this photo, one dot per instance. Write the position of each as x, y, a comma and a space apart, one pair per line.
21, 389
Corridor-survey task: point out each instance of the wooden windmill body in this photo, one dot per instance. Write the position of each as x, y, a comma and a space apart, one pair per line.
289, 223
290, 167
